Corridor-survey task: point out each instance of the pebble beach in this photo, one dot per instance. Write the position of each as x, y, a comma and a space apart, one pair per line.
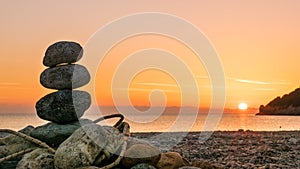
236, 149
232, 149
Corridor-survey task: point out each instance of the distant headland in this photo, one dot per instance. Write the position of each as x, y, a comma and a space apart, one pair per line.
288, 104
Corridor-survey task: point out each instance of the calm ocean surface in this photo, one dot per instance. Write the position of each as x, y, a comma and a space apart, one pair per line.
229, 120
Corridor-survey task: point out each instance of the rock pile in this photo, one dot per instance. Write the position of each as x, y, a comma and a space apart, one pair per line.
69, 142
66, 105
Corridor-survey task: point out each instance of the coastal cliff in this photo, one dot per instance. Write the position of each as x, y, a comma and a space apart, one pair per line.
288, 104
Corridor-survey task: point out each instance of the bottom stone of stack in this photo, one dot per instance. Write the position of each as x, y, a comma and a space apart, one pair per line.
63, 106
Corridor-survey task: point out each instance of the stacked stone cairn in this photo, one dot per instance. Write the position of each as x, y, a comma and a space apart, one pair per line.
69, 142
65, 105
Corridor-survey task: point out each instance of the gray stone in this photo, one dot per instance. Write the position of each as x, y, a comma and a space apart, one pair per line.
65, 77
81, 148
141, 153
14, 147
54, 134
62, 52
13, 139
37, 159
63, 106
143, 166
12, 143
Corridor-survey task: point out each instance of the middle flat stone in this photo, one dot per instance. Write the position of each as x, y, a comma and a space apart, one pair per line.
69, 76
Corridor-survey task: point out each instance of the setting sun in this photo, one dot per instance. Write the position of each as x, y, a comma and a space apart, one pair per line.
243, 106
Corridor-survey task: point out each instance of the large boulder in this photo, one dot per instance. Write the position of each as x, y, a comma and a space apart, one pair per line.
54, 134
81, 148
64, 106
65, 77
37, 159
62, 52
141, 153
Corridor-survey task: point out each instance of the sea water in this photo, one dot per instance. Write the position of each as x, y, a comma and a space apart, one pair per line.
230, 120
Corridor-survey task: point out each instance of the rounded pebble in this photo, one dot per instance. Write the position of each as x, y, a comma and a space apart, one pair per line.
141, 153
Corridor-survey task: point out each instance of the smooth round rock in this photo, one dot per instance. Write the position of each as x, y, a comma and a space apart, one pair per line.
62, 52
132, 141
65, 77
171, 160
54, 134
141, 153
64, 106
81, 148
37, 159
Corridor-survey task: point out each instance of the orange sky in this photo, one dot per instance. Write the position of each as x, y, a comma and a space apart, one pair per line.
257, 42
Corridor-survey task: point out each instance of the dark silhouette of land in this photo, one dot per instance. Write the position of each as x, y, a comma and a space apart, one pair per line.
288, 104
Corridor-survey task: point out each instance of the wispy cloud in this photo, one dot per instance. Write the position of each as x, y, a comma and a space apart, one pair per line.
258, 82
281, 82
252, 81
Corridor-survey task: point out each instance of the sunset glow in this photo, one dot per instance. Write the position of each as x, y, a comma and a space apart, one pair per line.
257, 42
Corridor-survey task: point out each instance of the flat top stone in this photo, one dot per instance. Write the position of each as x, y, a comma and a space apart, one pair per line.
62, 52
